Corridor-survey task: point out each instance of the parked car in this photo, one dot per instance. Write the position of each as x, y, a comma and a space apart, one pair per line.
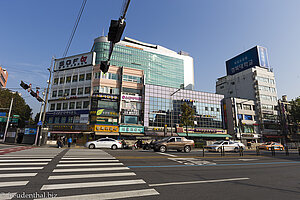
268, 146
228, 146
104, 143
174, 143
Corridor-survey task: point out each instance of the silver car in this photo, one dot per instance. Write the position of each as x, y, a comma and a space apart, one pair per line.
104, 143
227, 145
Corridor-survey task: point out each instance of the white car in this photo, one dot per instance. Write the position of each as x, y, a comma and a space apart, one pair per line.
228, 146
104, 143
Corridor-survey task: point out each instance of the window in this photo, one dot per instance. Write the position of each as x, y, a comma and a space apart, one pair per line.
247, 107
113, 76
97, 75
206, 108
87, 90
54, 93
81, 77
73, 91
67, 92
50, 120
80, 91
240, 116
68, 79
88, 76
55, 81
132, 79
211, 109
75, 78
86, 104
71, 105
130, 119
56, 120
58, 106
172, 140
52, 106
61, 80
63, 120
95, 89
65, 106
78, 105
60, 93
248, 117
70, 119
218, 109
239, 106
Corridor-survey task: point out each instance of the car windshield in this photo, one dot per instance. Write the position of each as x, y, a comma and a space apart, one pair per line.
219, 142
165, 139
268, 143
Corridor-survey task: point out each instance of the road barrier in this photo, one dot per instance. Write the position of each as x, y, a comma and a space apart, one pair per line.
299, 150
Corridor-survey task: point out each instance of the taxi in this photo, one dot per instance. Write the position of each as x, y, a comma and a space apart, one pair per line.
268, 146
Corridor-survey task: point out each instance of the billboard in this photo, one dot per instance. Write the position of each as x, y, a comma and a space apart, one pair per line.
30, 131
75, 61
257, 56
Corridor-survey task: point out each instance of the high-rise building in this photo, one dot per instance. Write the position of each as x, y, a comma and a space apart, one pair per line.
249, 76
3, 77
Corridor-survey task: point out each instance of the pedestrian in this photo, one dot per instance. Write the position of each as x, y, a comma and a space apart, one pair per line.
249, 145
123, 144
69, 142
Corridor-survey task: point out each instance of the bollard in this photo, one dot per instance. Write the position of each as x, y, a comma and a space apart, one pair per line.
202, 151
299, 150
223, 151
273, 151
257, 151
287, 151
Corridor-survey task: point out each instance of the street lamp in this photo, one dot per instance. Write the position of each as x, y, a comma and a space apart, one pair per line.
171, 95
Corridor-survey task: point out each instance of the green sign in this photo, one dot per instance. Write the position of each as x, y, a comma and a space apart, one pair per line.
131, 129
11, 120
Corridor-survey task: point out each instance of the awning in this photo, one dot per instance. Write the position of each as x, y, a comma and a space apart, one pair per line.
64, 132
205, 135
106, 133
133, 134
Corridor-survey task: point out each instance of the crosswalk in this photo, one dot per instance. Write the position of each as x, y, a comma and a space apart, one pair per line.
78, 174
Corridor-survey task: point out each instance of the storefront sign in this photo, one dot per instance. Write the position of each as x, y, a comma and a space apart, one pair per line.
67, 113
131, 98
104, 128
30, 131
104, 112
74, 61
131, 112
70, 127
130, 129
106, 96
201, 130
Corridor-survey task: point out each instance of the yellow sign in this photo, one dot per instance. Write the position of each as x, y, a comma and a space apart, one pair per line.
99, 112
105, 128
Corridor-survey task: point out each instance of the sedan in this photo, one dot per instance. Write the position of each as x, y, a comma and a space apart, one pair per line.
268, 146
226, 145
104, 143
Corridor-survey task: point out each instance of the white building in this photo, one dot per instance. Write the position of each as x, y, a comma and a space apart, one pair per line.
249, 77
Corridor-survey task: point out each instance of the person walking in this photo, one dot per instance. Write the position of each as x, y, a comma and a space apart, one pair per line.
69, 142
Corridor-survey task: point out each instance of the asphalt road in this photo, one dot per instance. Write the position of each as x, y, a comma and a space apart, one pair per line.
113, 174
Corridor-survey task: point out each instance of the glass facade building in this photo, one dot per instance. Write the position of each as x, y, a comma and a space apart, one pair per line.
159, 69
160, 108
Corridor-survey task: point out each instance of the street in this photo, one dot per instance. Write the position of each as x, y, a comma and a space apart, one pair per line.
79, 173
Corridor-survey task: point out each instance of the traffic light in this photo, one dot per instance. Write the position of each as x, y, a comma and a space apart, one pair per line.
39, 99
104, 66
33, 94
116, 30
24, 85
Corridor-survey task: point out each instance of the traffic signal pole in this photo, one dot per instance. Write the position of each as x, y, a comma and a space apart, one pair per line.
39, 126
7, 123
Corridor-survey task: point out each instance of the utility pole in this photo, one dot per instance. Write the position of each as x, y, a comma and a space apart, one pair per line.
7, 123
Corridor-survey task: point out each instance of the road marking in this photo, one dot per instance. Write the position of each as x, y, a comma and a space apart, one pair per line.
88, 164
194, 182
1, 164
17, 175
247, 159
91, 169
38, 160
45, 157
91, 184
192, 161
166, 154
86, 161
14, 183
110, 195
90, 176
84, 158
21, 168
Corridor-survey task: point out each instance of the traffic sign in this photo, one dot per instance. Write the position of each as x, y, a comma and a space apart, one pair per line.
2, 114
40, 123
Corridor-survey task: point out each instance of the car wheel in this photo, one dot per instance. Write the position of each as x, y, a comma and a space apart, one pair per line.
162, 148
236, 150
114, 147
281, 149
187, 149
92, 146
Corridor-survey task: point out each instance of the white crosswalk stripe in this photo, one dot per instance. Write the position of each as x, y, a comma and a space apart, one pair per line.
3, 164
91, 169
64, 177
13, 183
20, 168
17, 175
23, 160
88, 164
87, 161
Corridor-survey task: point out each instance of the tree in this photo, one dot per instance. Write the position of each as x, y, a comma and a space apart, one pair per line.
295, 110
19, 106
187, 116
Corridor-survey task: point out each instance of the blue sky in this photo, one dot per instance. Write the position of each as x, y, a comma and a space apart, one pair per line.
212, 31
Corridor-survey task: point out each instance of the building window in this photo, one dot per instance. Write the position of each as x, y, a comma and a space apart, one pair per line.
60, 93
63, 120
212, 109
97, 75
218, 109
240, 116
73, 91
54, 93
247, 107
50, 120
81, 77
75, 78
67, 92
80, 91
248, 117
55, 81
56, 120
86, 104
58, 106
71, 105
95, 89
68, 79
113, 76
87, 90
52, 106
78, 105
65, 106
206, 108
239, 106
61, 80
70, 119
88, 76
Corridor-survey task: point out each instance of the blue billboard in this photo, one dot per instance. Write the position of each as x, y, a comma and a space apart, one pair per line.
257, 56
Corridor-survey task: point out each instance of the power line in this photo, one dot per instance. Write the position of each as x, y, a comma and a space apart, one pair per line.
74, 28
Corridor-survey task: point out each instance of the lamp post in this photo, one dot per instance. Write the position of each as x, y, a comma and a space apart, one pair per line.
171, 95
7, 123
